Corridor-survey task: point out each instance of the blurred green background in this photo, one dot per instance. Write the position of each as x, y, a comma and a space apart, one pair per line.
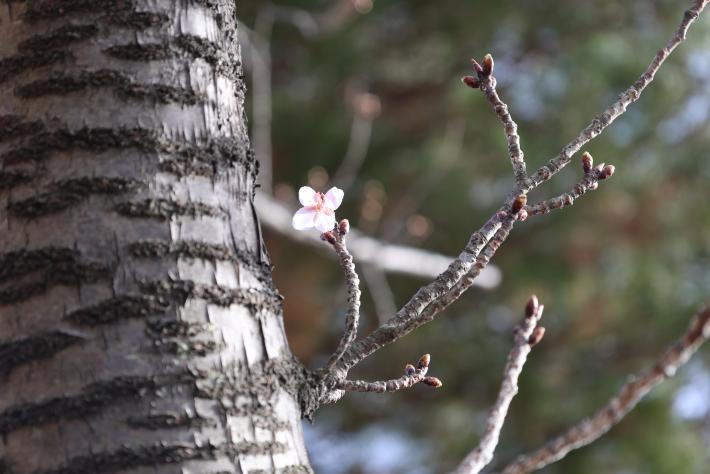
620, 273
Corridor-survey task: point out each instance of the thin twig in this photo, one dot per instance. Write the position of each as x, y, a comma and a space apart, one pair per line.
527, 334
588, 182
411, 377
398, 327
336, 238
617, 407
615, 110
487, 83
430, 299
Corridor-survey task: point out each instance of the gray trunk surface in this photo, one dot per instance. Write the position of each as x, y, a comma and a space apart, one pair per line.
139, 328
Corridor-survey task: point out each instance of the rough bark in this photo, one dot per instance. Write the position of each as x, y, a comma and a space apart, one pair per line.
139, 327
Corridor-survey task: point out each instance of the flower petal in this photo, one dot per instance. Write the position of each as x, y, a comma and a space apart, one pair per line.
304, 218
334, 197
324, 222
307, 196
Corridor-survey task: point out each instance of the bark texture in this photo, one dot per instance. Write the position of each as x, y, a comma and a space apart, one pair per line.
139, 327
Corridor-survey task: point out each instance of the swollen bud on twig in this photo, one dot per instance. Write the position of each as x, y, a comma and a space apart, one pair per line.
531, 307
476, 67
432, 382
344, 227
607, 172
587, 162
471, 82
329, 237
409, 369
487, 65
424, 361
536, 336
518, 203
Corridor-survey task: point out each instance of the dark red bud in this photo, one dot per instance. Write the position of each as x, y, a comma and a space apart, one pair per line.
424, 361
344, 227
518, 203
471, 82
532, 306
329, 237
587, 162
432, 382
409, 369
536, 336
476, 67
487, 64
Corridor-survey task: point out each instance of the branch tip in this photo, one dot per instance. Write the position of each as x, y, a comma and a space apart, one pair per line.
488, 64
536, 336
477, 67
587, 162
607, 172
424, 361
329, 237
471, 82
532, 306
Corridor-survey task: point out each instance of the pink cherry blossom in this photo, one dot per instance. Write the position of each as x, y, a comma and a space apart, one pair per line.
318, 209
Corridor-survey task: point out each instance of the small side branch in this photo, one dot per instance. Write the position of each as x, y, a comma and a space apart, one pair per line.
407, 321
485, 81
336, 238
527, 334
590, 429
589, 182
412, 376
615, 110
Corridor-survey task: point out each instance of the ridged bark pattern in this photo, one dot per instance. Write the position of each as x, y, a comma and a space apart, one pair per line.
139, 327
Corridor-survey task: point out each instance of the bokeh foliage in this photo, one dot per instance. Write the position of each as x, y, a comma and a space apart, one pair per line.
619, 273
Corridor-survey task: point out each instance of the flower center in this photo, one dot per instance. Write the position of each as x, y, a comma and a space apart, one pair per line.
321, 205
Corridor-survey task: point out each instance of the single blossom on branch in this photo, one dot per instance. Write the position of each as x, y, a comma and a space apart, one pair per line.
318, 209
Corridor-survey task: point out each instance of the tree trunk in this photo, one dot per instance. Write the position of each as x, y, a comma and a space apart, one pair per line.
139, 327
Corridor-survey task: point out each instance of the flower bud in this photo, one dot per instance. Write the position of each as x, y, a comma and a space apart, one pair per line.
476, 67
607, 172
329, 237
536, 336
522, 215
409, 369
471, 82
344, 227
424, 361
587, 162
432, 382
487, 65
532, 306
518, 203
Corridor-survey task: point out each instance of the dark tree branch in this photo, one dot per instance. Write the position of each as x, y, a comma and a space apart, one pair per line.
591, 429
